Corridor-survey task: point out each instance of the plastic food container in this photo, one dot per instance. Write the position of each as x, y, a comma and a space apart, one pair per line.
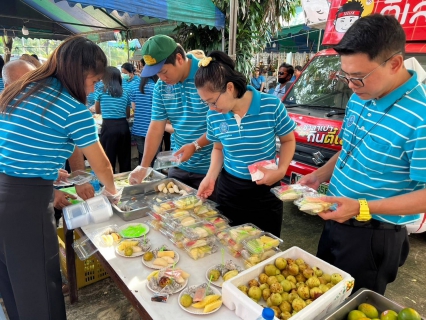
251, 259
199, 230
188, 202
79, 177
84, 248
291, 192
247, 309
311, 204
207, 209
181, 221
219, 221
261, 243
155, 224
162, 207
99, 209
189, 244
166, 159
201, 252
364, 296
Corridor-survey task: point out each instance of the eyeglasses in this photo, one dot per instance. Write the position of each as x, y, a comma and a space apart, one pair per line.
359, 82
282, 73
212, 104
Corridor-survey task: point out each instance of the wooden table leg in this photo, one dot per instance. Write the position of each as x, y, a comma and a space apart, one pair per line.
71, 271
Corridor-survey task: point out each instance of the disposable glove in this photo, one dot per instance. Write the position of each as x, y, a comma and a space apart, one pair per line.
139, 174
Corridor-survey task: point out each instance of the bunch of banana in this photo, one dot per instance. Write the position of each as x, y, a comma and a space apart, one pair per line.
209, 303
153, 274
127, 244
170, 188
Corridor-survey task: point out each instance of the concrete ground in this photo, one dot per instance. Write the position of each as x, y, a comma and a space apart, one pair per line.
103, 300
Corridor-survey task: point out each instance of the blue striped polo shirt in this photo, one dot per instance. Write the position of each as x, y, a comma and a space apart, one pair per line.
253, 139
39, 135
113, 107
1, 85
90, 100
143, 107
181, 104
387, 141
132, 84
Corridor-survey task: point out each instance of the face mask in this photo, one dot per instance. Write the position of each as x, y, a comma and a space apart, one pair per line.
125, 76
282, 80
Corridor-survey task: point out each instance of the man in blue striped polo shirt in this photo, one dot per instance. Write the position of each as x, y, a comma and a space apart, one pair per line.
176, 99
381, 169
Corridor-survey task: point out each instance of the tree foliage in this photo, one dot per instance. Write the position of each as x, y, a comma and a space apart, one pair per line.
257, 20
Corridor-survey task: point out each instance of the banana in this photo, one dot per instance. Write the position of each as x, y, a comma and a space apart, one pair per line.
153, 274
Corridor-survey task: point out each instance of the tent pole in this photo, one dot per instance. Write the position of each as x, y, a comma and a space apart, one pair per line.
319, 40
128, 48
223, 39
233, 29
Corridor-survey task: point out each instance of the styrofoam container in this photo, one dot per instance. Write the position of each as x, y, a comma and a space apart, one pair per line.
247, 309
100, 209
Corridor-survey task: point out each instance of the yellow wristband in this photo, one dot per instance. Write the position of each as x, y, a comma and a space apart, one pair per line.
364, 211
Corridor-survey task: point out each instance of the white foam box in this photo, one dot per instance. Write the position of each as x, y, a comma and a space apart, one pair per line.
247, 309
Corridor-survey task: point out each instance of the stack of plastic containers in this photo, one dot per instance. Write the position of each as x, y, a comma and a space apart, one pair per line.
199, 239
249, 242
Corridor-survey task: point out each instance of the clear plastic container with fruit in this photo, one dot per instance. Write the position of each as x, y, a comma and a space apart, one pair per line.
207, 209
251, 259
312, 204
155, 215
189, 244
155, 224
181, 221
199, 230
107, 236
291, 192
176, 237
188, 202
220, 221
161, 207
201, 252
261, 242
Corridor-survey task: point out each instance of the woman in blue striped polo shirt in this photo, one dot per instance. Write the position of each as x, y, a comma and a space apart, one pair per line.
113, 102
130, 80
142, 104
243, 124
43, 117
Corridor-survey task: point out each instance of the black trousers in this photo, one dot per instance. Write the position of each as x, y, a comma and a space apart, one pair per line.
116, 139
189, 178
244, 201
30, 279
371, 254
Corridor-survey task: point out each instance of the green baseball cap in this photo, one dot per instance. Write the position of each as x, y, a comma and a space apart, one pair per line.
155, 51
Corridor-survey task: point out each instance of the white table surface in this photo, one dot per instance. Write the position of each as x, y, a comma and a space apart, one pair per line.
133, 273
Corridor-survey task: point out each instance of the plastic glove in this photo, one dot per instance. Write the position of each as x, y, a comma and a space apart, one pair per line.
139, 174
113, 198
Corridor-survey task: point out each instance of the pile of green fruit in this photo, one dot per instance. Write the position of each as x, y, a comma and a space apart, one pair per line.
288, 286
367, 311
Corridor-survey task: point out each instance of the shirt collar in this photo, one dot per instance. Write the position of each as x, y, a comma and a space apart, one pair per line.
390, 99
255, 101
194, 67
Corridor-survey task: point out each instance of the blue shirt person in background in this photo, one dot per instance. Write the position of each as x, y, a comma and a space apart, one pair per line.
176, 99
382, 164
113, 102
131, 81
142, 105
243, 124
43, 117
258, 81
297, 73
285, 72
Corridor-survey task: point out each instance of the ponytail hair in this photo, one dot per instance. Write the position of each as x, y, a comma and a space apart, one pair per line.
216, 71
129, 67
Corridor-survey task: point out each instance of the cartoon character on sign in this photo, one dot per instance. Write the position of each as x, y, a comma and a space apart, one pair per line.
347, 15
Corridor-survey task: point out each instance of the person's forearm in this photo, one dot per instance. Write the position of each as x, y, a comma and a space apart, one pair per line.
286, 155
324, 173
410, 203
216, 163
152, 141
100, 165
76, 160
202, 141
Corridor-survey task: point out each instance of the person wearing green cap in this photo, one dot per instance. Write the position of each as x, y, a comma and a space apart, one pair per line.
175, 98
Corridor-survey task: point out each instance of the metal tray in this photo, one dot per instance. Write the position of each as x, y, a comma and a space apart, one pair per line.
153, 177
150, 192
364, 296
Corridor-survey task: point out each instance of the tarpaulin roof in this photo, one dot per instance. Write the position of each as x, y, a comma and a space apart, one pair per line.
56, 19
